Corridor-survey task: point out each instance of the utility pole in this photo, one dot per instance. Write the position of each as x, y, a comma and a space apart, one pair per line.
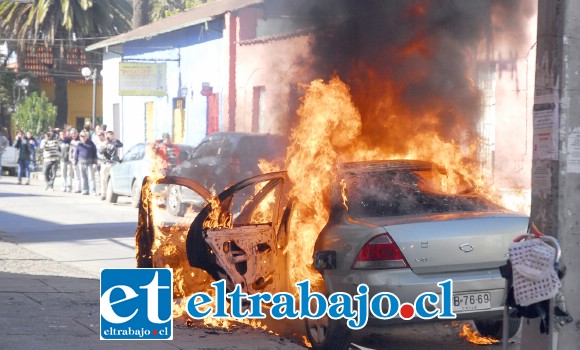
556, 158
92, 74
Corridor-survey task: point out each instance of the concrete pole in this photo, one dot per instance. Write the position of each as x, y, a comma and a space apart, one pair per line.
556, 157
95, 77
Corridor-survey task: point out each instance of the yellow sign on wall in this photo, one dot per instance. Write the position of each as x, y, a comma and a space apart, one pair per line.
149, 122
142, 79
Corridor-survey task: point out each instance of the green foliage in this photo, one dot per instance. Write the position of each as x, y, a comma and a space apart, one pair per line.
34, 114
164, 8
47, 20
6, 86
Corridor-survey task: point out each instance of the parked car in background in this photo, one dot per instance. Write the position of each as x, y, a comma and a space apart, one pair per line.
126, 177
391, 227
220, 160
10, 161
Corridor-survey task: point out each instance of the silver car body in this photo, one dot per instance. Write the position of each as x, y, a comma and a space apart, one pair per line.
127, 175
460, 237
432, 246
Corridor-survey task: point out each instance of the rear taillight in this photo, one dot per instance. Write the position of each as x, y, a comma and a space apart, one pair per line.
379, 253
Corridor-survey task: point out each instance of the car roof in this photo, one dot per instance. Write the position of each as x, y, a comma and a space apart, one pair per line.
234, 137
179, 145
391, 164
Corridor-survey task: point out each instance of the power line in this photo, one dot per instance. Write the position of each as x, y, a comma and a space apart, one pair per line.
55, 39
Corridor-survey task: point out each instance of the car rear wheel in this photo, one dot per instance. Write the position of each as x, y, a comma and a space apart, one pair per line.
135, 194
110, 196
328, 334
174, 204
494, 327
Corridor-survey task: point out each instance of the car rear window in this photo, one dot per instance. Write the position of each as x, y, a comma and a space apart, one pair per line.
252, 149
212, 148
391, 193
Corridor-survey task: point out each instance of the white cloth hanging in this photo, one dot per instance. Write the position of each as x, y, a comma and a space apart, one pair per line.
534, 277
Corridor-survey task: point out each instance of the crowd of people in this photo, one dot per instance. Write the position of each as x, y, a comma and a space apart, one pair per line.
84, 158
79, 156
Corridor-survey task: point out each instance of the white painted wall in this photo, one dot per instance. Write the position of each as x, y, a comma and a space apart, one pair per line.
187, 66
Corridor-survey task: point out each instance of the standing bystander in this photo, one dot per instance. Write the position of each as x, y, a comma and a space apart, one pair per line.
74, 168
108, 155
167, 155
50, 158
33, 146
23, 145
65, 163
86, 158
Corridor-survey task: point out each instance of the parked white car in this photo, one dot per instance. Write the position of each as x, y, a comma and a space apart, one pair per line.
10, 161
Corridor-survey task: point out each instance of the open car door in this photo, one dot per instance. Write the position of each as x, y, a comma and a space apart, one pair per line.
160, 236
238, 236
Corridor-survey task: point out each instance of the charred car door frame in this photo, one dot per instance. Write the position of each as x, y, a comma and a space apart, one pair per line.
245, 253
144, 235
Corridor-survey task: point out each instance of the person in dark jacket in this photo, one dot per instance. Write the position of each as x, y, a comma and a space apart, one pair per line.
22, 143
86, 158
108, 153
33, 146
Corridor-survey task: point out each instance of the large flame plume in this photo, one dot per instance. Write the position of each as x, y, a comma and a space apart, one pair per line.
329, 121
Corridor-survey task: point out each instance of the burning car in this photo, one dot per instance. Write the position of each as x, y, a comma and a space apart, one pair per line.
393, 226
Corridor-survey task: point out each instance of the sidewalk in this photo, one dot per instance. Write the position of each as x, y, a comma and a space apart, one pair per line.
45, 304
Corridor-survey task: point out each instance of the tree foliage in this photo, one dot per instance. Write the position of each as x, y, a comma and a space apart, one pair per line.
6, 88
62, 25
35, 114
165, 8
63, 22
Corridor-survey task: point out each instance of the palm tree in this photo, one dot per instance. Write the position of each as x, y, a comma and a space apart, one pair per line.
63, 25
140, 13
165, 8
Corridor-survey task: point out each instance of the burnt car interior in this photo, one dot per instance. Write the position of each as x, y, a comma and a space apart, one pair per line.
388, 193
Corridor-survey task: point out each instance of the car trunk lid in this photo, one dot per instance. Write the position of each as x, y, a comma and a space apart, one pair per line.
453, 242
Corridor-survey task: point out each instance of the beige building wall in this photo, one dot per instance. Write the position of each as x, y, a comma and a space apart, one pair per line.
274, 64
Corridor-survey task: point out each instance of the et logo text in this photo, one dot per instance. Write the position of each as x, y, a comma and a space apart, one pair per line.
136, 304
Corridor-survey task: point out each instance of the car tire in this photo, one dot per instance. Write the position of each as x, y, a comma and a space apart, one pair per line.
110, 196
135, 194
328, 334
494, 327
173, 205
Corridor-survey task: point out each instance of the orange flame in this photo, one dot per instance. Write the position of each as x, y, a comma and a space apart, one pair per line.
306, 342
474, 336
217, 218
329, 132
343, 193
328, 122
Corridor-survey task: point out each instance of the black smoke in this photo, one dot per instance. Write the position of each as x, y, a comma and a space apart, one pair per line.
407, 61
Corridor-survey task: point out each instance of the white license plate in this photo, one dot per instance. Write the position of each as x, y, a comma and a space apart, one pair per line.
472, 301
